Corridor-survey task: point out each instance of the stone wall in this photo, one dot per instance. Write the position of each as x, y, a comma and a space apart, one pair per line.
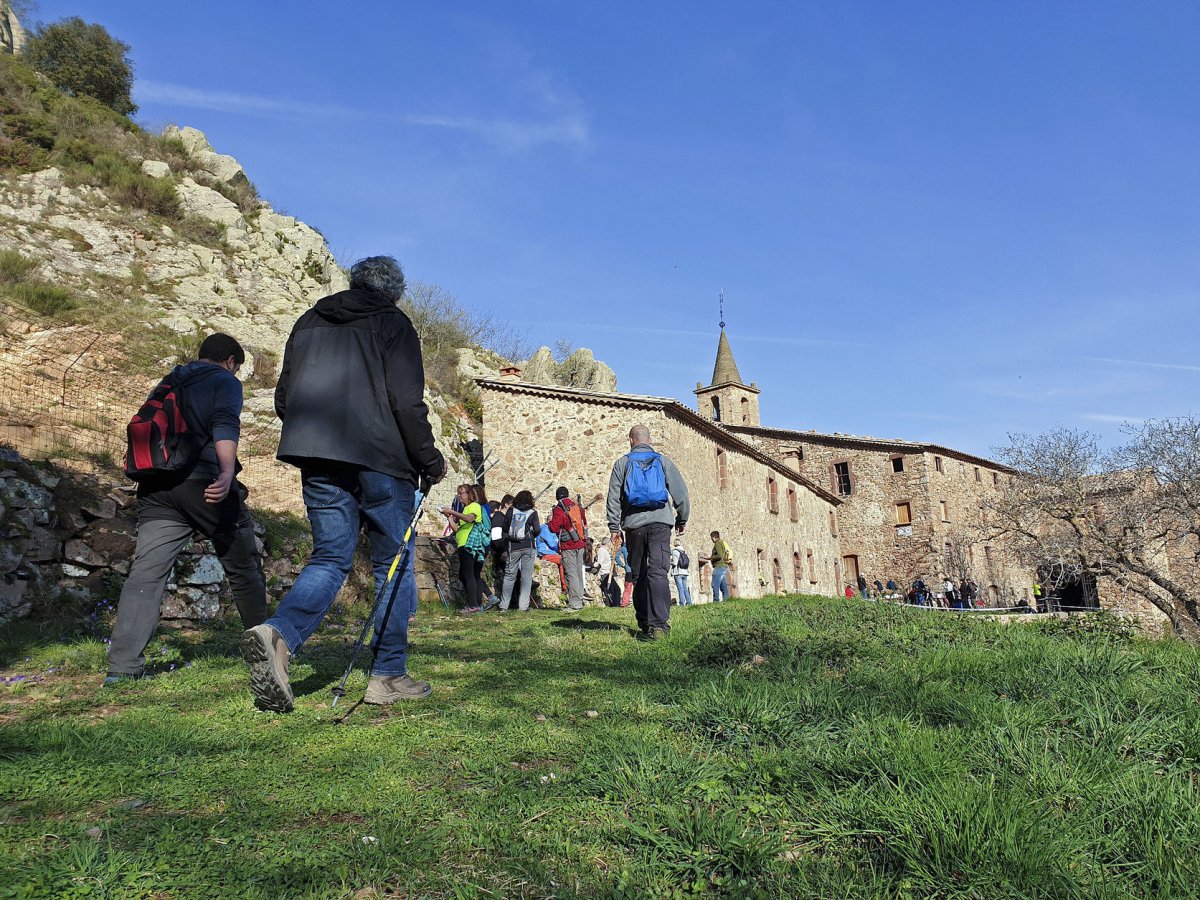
570, 438
67, 541
869, 523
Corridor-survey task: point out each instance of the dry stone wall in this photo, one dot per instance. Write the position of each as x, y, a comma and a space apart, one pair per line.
572, 439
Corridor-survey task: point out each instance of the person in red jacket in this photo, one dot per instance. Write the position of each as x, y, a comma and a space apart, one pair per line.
566, 521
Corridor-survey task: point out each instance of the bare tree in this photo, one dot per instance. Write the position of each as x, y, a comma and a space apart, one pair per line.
1132, 515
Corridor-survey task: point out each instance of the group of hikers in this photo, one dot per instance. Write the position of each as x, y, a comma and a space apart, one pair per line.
947, 595
354, 422
514, 535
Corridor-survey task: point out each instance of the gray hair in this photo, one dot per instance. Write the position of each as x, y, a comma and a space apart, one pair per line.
380, 275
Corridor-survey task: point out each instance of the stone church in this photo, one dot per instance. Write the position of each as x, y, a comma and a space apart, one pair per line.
801, 511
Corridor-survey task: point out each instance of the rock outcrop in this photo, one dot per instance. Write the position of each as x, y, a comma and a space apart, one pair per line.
579, 370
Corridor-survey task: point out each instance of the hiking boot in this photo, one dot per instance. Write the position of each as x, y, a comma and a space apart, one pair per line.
266, 653
115, 678
385, 689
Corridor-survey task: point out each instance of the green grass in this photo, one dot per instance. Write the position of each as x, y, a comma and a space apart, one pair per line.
783, 747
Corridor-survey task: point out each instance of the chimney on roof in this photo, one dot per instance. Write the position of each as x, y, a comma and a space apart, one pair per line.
510, 373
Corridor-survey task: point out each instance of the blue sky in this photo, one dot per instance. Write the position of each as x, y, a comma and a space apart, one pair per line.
933, 221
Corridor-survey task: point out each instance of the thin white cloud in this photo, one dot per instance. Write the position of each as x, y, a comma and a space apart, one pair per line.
568, 128
229, 101
1111, 419
1147, 363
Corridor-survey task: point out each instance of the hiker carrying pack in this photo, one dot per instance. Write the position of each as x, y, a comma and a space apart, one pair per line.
684, 561
518, 520
159, 440
575, 530
645, 481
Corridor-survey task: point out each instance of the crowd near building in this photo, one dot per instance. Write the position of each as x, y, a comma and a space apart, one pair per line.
800, 511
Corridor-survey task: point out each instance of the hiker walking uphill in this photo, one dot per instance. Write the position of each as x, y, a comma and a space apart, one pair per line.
647, 498
566, 521
186, 483
350, 396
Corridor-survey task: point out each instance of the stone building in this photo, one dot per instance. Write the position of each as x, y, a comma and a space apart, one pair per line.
909, 509
780, 526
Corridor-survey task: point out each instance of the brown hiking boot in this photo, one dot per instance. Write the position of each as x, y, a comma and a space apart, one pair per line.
266, 653
385, 689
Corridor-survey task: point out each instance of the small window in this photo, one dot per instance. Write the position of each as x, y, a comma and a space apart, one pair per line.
903, 514
978, 474
772, 494
800, 452
777, 575
812, 568
833, 522
944, 509
995, 479
949, 551
937, 464
716, 409
841, 478
759, 556
797, 570
793, 504
745, 411
897, 463
722, 470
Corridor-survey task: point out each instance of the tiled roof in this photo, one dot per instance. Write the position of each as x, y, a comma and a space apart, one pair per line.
669, 406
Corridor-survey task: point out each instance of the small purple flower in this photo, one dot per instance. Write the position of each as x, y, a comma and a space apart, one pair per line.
172, 669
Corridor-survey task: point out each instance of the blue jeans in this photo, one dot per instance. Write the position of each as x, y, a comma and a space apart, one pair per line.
340, 500
720, 583
681, 588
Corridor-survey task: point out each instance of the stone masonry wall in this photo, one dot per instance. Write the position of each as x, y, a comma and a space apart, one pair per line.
564, 439
868, 519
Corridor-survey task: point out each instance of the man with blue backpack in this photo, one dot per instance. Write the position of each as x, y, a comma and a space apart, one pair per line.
647, 498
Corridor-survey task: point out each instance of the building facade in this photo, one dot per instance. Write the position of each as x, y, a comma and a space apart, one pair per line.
777, 523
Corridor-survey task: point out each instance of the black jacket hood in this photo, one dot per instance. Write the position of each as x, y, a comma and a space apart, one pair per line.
346, 306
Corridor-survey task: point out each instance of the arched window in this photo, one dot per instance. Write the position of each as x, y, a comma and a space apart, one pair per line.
722, 470
793, 503
777, 575
833, 522
716, 409
745, 410
797, 570
812, 567
772, 494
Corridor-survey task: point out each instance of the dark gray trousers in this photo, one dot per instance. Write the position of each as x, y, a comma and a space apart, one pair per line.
167, 519
649, 562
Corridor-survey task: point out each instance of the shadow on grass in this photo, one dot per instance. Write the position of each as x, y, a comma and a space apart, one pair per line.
587, 625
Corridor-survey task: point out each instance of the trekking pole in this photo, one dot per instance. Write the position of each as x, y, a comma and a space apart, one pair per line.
478, 470
398, 564
485, 470
542, 491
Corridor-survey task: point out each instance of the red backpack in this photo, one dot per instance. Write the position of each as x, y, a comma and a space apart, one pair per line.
159, 439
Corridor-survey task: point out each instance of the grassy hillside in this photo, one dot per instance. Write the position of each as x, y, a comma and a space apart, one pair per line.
786, 747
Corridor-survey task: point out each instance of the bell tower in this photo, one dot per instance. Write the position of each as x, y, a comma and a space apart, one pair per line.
727, 399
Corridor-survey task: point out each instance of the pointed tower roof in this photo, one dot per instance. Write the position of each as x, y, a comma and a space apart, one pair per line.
726, 369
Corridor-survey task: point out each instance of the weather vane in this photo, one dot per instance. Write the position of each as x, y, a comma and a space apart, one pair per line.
722, 302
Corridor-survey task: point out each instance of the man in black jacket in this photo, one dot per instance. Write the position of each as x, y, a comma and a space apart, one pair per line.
350, 396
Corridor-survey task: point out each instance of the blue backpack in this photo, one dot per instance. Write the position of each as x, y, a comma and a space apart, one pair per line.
645, 481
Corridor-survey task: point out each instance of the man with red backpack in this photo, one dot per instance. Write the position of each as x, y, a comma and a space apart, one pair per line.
566, 521
183, 454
